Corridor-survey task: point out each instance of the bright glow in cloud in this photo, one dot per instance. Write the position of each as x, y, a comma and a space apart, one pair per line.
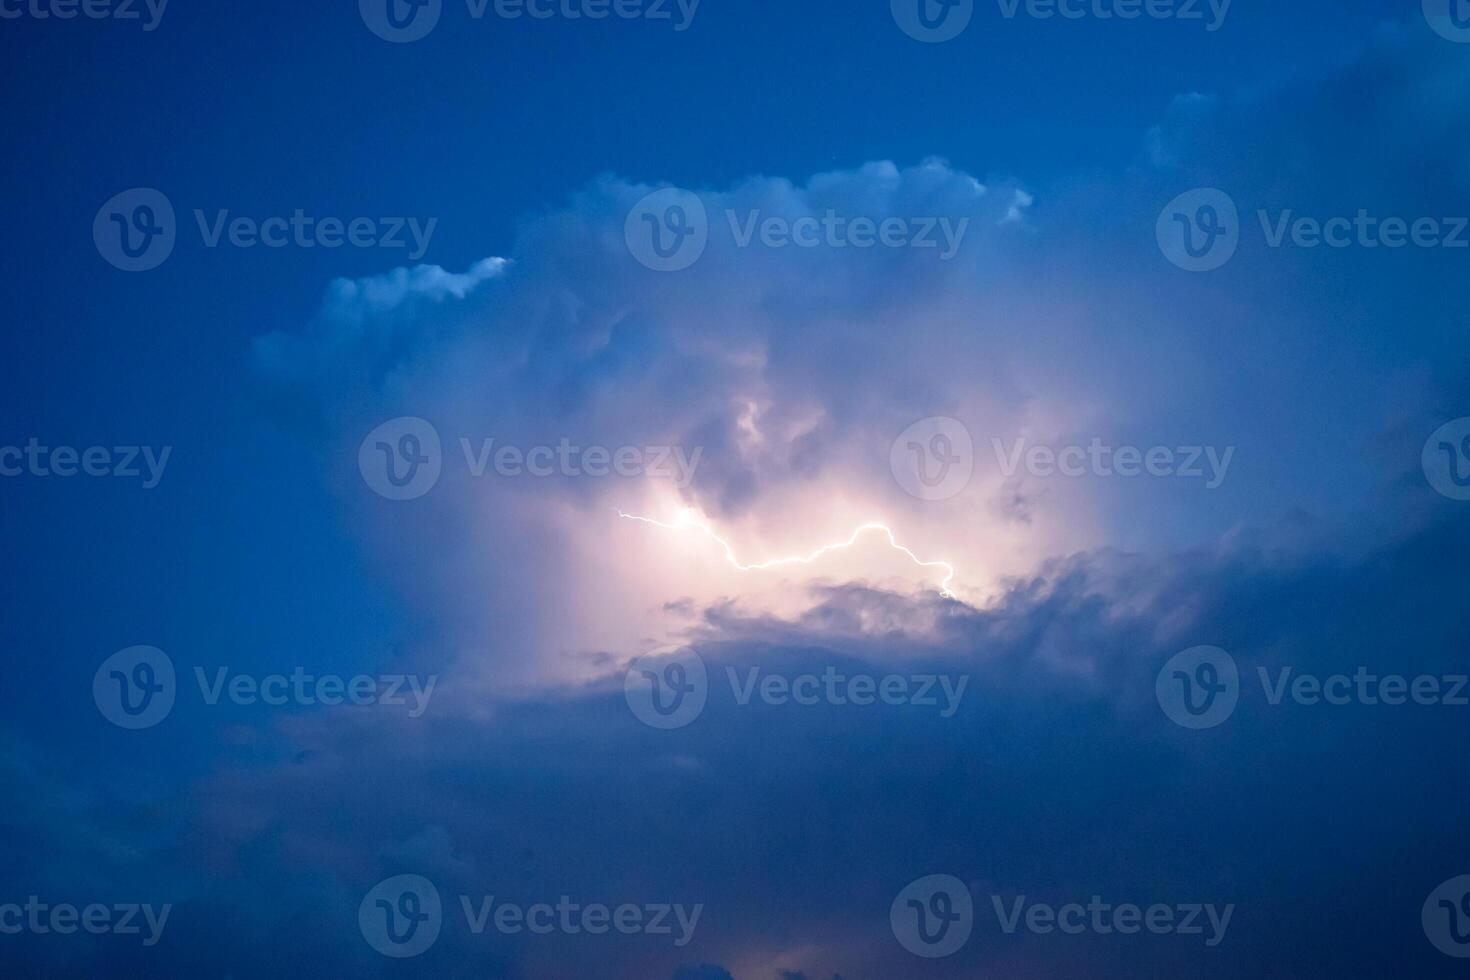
686, 520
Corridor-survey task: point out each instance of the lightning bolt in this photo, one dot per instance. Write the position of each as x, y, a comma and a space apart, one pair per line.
685, 521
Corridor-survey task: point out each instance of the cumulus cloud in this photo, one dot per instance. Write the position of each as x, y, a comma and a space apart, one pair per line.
794, 370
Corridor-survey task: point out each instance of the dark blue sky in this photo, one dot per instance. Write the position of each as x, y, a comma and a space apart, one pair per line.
263, 550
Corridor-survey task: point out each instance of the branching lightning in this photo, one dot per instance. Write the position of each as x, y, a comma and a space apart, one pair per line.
686, 521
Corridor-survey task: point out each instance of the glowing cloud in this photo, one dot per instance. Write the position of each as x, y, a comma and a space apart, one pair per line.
686, 520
